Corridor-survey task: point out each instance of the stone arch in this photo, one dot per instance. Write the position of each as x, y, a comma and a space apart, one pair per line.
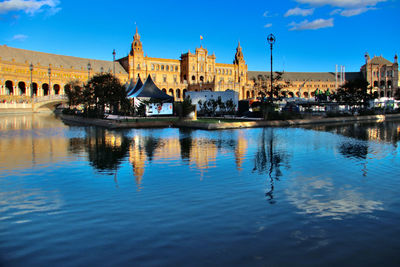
376, 84
305, 94
34, 89
178, 93
184, 92
164, 90
45, 89
9, 88
193, 78
56, 89
171, 91
22, 88
291, 94
202, 78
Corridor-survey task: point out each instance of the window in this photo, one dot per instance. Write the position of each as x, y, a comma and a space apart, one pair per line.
165, 78
176, 68
193, 78
152, 66
162, 67
175, 79
167, 68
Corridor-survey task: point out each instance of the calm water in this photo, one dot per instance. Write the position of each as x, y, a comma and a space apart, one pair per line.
252, 197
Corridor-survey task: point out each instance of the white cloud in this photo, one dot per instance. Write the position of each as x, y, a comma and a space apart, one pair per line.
269, 25
299, 12
267, 14
311, 25
342, 3
19, 37
355, 11
29, 6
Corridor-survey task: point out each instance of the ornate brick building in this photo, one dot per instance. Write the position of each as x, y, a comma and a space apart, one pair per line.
195, 71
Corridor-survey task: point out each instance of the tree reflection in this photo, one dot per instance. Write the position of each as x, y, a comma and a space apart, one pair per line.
185, 140
351, 149
269, 159
105, 149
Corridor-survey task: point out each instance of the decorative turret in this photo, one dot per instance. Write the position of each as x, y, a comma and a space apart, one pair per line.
137, 47
367, 58
239, 55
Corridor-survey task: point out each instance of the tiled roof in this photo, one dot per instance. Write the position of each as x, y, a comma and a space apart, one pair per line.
44, 59
380, 61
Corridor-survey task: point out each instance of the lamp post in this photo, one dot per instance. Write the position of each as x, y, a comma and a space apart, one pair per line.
271, 40
113, 61
49, 71
89, 67
31, 69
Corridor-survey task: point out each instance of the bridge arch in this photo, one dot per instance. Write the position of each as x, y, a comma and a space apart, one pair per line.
56, 89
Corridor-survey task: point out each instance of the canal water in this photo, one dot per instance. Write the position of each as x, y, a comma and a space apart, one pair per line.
78, 196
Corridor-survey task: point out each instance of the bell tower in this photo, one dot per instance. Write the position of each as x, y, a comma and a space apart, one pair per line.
137, 65
240, 69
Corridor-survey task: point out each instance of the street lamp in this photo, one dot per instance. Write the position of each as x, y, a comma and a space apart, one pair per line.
89, 67
31, 69
49, 71
271, 40
114, 61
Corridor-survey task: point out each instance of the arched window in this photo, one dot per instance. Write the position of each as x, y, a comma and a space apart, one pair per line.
9, 88
164, 90
45, 89
291, 94
152, 66
167, 68
176, 68
162, 67
157, 67
56, 89
202, 78
22, 88
184, 77
193, 78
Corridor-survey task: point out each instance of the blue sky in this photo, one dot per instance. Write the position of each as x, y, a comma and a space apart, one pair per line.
312, 35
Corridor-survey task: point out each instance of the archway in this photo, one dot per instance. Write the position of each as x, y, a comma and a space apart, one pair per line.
45, 89
376, 95
291, 94
389, 84
56, 89
382, 94
389, 94
297, 94
383, 83
178, 93
305, 94
252, 94
171, 91
22, 88
247, 94
9, 88
34, 89
376, 84
184, 93
164, 90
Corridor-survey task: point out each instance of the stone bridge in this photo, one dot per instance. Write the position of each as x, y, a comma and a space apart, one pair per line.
49, 102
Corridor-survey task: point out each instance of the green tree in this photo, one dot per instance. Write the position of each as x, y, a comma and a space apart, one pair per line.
353, 92
105, 90
74, 92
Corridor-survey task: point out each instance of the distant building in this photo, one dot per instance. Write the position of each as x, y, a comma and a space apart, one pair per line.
196, 71
382, 75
